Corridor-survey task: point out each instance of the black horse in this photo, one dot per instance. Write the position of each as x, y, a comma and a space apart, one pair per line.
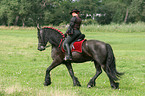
92, 50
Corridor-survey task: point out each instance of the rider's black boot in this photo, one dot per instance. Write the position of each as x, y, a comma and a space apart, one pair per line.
68, 55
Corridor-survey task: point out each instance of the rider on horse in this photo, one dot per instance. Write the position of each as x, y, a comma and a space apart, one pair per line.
72, 33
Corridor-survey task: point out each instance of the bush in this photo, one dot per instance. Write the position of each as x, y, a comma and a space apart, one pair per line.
89, 21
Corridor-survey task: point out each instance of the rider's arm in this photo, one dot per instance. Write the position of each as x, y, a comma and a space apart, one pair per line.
72, 23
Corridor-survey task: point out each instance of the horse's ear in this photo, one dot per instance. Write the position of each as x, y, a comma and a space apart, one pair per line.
38, 27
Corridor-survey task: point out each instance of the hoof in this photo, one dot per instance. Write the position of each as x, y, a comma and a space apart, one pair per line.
89, 86
46, 84
116, 86
78, 84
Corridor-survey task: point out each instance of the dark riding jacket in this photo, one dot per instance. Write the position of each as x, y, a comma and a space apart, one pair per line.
75, 24
72, 32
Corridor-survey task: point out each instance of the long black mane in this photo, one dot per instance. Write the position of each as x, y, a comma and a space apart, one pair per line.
53, 36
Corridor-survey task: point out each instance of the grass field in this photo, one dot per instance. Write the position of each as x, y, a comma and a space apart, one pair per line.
22, 67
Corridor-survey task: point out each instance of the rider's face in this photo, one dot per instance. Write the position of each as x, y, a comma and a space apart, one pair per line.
74, 14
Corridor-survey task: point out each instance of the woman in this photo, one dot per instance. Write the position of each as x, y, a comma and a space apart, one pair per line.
72, 33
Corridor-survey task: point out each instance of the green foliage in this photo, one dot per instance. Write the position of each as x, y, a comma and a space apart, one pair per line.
89, 21
88, 6
110, 14
105, 17
136, 10
115, 11
54, 12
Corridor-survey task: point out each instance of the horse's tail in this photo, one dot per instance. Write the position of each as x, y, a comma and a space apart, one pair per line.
110, 64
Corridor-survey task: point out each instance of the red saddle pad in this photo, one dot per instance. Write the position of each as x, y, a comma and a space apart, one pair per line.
77, 46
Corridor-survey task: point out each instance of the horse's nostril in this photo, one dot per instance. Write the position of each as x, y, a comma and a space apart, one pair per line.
41, 48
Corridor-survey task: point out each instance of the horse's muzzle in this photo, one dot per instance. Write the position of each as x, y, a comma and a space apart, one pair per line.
41, 48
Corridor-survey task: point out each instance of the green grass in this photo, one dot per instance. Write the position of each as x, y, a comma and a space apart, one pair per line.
22, 67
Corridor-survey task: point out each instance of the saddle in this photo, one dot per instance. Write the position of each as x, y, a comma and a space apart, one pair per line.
76, 45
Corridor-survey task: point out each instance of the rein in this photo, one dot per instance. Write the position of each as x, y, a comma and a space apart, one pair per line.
48, 45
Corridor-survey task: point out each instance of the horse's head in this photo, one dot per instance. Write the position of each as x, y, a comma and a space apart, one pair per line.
41, 39
49, 34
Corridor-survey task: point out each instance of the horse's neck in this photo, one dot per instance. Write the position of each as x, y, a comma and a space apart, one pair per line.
53, 38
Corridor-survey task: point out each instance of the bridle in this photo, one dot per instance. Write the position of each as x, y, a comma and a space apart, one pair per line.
41, 36
43, 40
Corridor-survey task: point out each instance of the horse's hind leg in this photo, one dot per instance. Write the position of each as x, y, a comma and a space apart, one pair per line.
98, 72
113, 84
75, 79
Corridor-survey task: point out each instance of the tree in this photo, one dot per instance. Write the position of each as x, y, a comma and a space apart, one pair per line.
120, 11
111, 12
135, 11
12, 11
3, 13
24, 10
45, 12
88, 7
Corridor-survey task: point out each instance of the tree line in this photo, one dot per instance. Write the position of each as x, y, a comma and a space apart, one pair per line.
56, 12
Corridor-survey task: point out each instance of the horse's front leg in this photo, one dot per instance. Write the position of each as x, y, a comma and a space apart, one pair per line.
75, 79
47, 76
